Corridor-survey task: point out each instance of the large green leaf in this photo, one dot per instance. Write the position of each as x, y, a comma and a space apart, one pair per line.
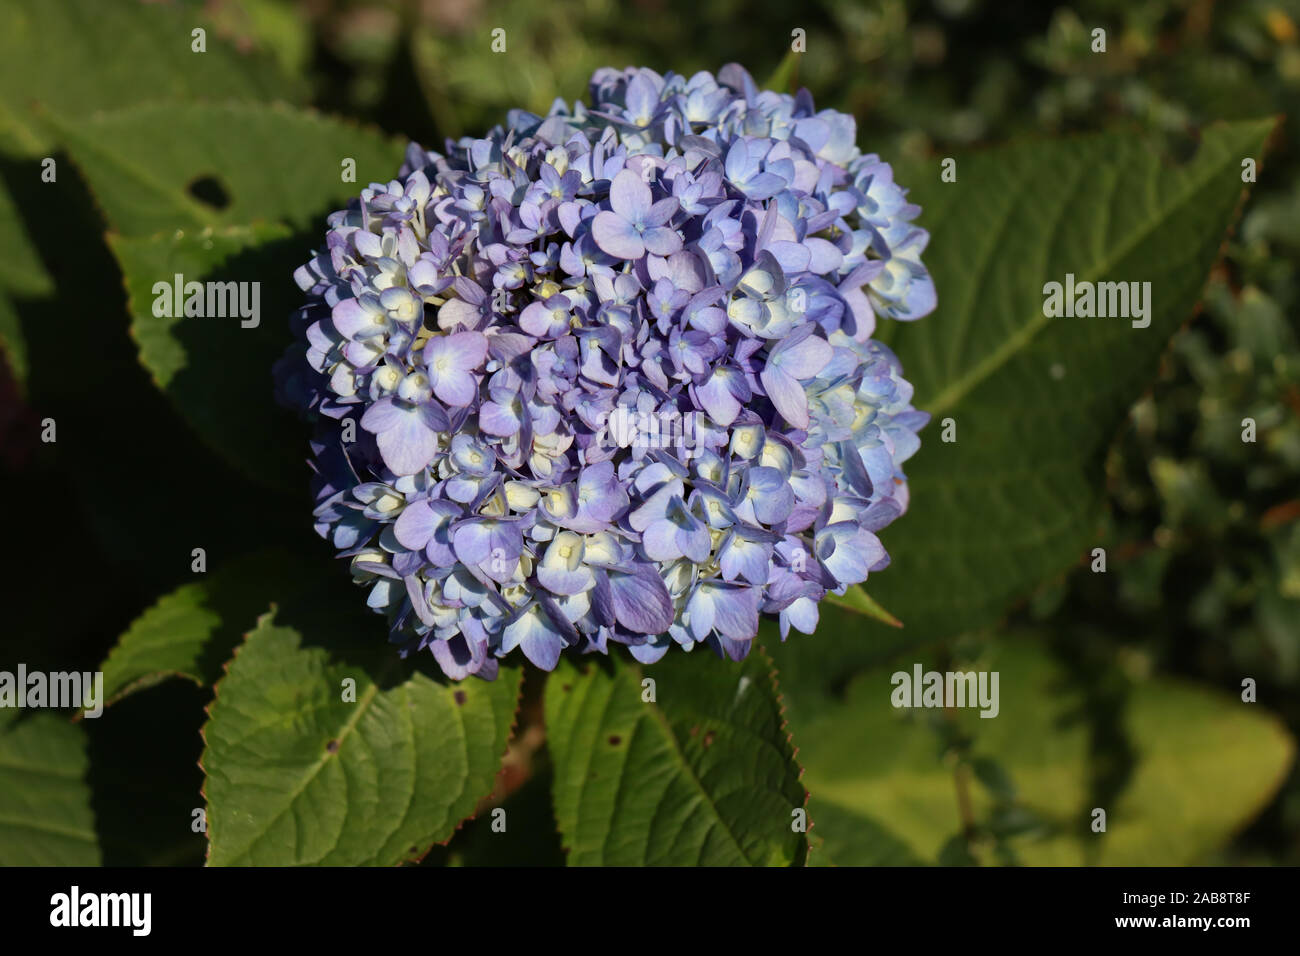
216, 371
297, 775
191, 632
705, 774
79, 56
280, 171
1207, 764
273, 163
55, 56
866, 757
1017, 497
45, 815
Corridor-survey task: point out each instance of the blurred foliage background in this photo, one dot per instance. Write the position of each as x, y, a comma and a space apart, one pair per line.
1203, 531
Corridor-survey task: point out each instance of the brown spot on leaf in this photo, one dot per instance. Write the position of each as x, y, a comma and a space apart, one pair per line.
460, 698
615, 740
708, 739
332, 746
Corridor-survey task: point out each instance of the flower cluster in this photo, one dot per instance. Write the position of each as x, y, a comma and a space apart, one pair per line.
683, 250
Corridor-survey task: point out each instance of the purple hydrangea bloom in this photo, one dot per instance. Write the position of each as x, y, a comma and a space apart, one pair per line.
607, 374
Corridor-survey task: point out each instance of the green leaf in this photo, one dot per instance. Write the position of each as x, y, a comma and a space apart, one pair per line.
1017, 497
216, 371
273, 163
297, 775
857, 599
280, 29
864, 757
1206, 765
79, 56
53, 58
705, 774
783, 78
843, 837
45, 815
1209, 763
191, 632
280, 171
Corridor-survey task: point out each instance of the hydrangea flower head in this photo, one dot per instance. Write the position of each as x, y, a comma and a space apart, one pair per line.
607, 375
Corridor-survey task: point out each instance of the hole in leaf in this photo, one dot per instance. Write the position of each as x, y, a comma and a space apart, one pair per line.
209, 191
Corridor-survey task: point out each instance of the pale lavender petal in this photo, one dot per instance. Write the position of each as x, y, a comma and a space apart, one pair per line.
742, 558
826, 257
457, 388
716, 399
660, 212
500, 420
405, 437
660, 542
787, 395
735, 611
473, 542
463, 350
649, 653
459, 657
381, 416
805, 359
662, 241
534, 633
352, 319
629, 197
616, 236
414, 526
641, 601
